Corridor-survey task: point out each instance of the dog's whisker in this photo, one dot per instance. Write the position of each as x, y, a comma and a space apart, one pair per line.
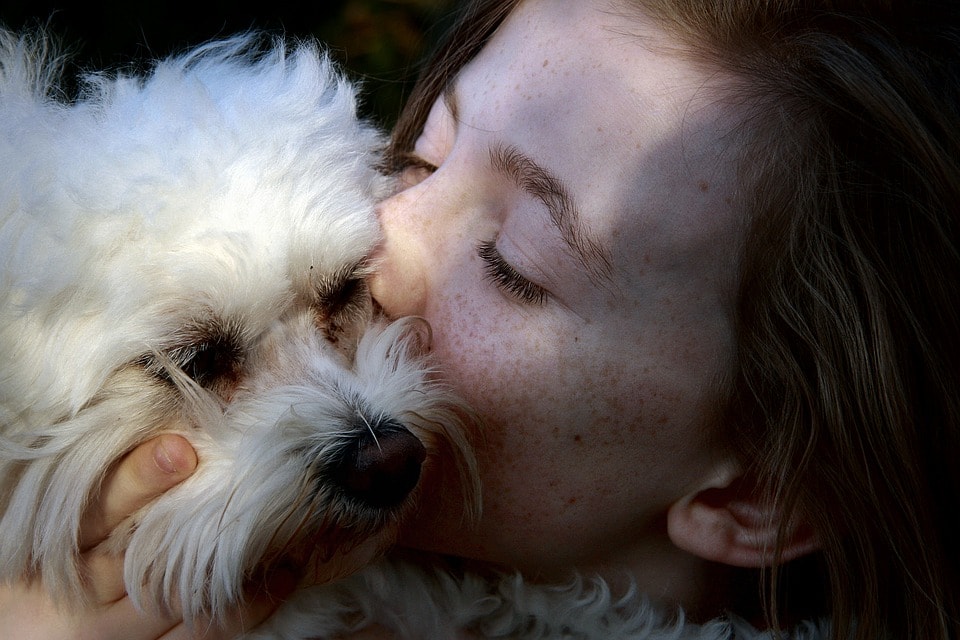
373, 434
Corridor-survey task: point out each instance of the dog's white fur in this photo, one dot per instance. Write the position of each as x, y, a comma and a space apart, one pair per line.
184, 252
419, 602
223, 205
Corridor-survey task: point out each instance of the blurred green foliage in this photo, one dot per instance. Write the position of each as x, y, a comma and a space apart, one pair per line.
379, 42
383, 41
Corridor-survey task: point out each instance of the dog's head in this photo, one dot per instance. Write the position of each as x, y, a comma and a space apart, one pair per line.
187, 252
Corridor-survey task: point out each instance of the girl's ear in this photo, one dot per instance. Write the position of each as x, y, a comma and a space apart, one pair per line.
725, 521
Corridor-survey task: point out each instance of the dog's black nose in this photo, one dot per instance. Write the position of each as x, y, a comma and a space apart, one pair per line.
382, 466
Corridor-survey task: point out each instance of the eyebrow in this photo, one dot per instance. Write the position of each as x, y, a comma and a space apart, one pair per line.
542, 184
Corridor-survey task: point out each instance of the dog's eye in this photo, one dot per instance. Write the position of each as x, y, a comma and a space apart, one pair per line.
338, 294
341, 307
334, 291
214, 360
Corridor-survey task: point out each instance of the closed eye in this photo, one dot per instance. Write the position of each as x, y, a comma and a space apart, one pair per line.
506, 278
210, 353
215, 361
414, 169
341, 302
337, 292
334, 295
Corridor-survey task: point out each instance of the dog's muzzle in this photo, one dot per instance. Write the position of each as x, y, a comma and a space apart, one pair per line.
381, 467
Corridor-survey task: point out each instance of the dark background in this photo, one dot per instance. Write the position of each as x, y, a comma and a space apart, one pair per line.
379, 42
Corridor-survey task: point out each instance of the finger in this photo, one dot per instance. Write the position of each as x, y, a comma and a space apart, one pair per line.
142, 475
123, 621
28, 611
104, 577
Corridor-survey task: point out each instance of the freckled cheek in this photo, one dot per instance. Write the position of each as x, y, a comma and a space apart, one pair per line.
556, 397
525, 388
485, 353
478, 359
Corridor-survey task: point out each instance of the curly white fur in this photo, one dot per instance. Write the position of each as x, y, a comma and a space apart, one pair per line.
185, 252
417, 601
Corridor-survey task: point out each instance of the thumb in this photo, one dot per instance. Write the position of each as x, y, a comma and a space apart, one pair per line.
143, 474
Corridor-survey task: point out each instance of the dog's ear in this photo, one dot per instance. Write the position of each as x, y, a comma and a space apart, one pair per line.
725, 520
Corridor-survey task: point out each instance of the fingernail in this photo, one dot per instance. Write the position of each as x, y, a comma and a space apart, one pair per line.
174, 456
162, 457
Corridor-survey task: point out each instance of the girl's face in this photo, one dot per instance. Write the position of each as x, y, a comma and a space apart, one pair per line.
565, 227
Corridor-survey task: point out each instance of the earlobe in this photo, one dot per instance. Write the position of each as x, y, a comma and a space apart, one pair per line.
727, 522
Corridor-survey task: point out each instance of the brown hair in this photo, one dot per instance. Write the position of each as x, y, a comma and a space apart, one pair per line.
848, 395
846, 400
472, 27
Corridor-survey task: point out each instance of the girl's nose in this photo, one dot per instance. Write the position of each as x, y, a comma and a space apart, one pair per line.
399, 283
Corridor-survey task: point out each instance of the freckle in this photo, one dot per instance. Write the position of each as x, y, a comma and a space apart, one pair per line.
703, 185
546, 62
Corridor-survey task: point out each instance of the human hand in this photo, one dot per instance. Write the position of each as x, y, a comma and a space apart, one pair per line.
28, 612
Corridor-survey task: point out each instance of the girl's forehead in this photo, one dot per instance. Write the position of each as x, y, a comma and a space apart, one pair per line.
605, 103
581, 70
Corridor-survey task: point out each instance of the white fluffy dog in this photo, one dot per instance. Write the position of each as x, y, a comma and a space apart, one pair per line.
185, 252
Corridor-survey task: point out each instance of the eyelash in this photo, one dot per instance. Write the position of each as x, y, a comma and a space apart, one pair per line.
506, 277
411, 162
